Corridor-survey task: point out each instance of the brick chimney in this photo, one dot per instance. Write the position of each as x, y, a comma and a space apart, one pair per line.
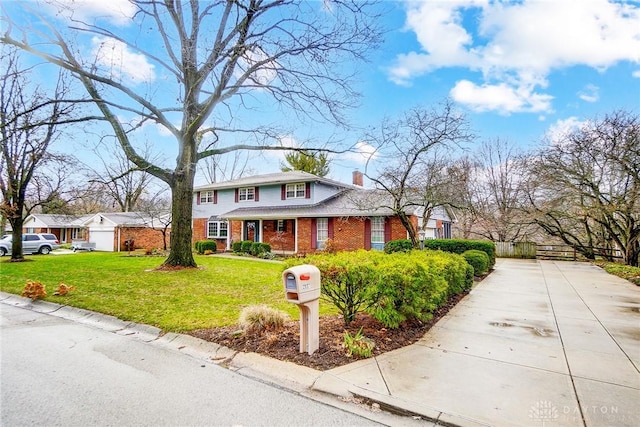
358, 178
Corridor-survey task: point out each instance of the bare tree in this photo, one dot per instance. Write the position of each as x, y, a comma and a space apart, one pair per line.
497, 195
584, 187
118, 177
415, 149
157, 213
218, 168
216, 57
30, 121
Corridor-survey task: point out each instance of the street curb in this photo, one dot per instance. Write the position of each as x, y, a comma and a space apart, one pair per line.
286, 375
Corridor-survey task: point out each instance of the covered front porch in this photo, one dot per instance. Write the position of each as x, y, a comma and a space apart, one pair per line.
279, 233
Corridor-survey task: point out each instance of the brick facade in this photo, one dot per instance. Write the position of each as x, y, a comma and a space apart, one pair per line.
348, 233
143, 238
284, 240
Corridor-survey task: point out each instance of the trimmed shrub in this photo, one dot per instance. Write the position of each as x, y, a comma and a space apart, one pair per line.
402, 245
391, 287
478, 260
236, 247
206, 245
458, 246
347, 279
414, 284
245, 246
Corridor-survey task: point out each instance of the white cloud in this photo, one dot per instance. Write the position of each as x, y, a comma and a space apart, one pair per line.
636, 74
118, 12
518, 43
561, 128
589, 93
361, 152
500, 97
119, 61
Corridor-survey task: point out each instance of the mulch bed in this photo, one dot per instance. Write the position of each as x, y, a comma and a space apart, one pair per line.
284, 343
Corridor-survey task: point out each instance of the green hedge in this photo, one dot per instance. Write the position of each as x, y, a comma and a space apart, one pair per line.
245, 246
206, 245
251, 247
401, 245
478, 260
391, 287
458, 246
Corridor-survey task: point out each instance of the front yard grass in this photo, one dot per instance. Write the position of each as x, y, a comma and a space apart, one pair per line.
127, 287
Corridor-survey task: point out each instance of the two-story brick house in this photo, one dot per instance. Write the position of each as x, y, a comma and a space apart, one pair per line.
296, 212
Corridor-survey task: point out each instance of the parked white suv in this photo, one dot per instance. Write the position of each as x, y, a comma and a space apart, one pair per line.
41, 243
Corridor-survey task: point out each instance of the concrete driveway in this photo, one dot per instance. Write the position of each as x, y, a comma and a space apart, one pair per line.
535, 343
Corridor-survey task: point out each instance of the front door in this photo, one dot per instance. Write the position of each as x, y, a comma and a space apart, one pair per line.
252, 230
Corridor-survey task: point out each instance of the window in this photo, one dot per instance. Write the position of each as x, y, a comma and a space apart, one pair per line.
377, 233
281, 226
207, 197
75, 233
322, 232
217, 229
247, 193
296, 191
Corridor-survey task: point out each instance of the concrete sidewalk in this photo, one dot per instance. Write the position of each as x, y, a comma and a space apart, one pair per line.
536, 342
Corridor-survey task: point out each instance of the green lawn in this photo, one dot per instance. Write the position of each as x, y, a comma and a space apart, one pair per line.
128, 288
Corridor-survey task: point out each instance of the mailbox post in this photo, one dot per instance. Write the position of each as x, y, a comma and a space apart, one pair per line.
302, 287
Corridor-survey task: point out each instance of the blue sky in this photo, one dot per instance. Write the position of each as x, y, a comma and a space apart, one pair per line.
518, 69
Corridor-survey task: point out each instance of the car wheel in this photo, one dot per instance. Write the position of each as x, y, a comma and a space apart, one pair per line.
45, 250
3, 251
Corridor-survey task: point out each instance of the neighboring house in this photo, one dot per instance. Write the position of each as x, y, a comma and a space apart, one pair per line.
296, 212
112, 231
65, 227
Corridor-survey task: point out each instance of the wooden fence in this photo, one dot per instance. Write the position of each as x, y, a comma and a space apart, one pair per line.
531, 250
515, 249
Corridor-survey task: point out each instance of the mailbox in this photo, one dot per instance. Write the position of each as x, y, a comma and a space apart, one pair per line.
302, 287
302, 283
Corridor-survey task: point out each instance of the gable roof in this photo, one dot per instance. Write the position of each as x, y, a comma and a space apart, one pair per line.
271, 179
55, 220
127, 219
347, 203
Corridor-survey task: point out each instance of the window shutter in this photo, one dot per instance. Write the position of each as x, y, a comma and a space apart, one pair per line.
256, 194
387, 229
283, 192
284, 225
307, 190
330, 228
215, 196
198, 198
314, 233
237, 195
367, 234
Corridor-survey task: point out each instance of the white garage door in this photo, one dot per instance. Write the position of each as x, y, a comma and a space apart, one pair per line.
102, 238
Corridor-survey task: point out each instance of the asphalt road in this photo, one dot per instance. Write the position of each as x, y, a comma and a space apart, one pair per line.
57, 372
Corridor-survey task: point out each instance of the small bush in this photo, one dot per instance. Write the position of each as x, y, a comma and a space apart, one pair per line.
358, 345
245, 246
458, 246
402, 245
34, 290
478, 260
203, 246
259, 318
64, 289
236, 247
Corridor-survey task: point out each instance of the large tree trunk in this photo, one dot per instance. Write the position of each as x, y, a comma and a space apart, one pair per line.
17, 223
181, 211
